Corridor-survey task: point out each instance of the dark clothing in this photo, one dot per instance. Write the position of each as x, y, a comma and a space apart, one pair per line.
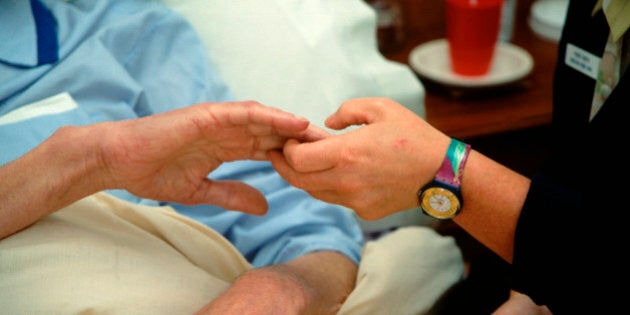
568, 244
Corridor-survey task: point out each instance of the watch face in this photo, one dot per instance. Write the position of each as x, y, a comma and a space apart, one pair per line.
439, 203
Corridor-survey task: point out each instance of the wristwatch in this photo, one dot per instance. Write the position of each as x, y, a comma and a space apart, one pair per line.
441, 198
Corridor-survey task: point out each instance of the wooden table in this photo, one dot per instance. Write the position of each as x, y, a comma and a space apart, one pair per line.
524, 106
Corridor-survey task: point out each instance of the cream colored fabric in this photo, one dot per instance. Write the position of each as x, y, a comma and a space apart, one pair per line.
103, 255
404, 272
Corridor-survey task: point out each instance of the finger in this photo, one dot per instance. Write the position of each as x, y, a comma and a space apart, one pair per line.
354, 112
232, 195
313, 133
309, 134
250, 115
312, 156
261, 154
282, 167
264, 144
253, 112
311, 182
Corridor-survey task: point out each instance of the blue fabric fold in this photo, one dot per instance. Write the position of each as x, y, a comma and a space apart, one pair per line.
46, 28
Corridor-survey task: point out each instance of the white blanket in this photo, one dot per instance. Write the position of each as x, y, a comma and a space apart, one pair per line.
304, 56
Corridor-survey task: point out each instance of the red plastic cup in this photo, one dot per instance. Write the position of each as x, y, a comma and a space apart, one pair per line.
472, 31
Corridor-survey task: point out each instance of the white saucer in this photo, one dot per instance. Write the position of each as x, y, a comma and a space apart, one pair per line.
431, 61
547, 17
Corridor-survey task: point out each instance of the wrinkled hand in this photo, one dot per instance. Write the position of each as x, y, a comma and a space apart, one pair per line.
169, 156
376, 169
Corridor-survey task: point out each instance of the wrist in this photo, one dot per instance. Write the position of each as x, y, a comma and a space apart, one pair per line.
78, 164
442, 198
51, 176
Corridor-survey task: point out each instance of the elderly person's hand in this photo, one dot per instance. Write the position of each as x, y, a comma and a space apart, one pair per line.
165, 157
169, 156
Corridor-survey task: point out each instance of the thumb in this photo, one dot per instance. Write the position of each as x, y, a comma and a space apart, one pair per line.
232, 195
357, 111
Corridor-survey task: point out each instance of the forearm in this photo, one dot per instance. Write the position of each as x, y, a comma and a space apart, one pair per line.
49, 177
493, 196
316, 283
330, 275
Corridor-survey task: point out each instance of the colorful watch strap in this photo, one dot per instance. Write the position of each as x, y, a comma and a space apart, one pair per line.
452, 168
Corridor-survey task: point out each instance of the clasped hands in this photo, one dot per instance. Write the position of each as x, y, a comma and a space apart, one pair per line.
375, 169
169, 156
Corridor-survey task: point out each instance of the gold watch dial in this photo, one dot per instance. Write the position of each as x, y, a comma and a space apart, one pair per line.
440, 203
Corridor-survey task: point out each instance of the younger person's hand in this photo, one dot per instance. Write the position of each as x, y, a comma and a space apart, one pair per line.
376, 169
